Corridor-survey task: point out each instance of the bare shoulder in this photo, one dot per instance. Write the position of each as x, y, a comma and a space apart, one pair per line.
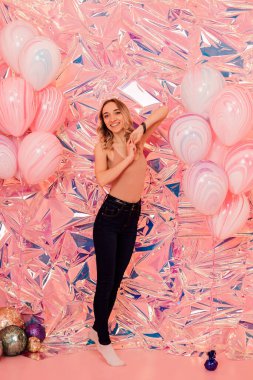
100, 158
99, 152
99, 149
98, 146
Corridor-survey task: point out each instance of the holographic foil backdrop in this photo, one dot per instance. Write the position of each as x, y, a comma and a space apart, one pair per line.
182, 292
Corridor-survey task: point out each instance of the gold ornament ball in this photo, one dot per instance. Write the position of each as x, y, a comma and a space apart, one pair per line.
34, 344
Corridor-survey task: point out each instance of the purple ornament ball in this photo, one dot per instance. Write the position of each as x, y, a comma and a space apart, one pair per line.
37, 330
211, 364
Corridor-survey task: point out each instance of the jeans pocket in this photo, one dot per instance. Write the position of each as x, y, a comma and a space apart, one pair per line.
111, 210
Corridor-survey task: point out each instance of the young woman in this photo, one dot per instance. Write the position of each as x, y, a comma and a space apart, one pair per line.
119, 161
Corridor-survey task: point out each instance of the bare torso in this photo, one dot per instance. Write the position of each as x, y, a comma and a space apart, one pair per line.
129, 185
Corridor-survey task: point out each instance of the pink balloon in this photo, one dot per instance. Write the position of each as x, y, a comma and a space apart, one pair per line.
190, 137
231, 217
231, 114
199, 86
39, 156
8, 158
205, 184
12, 39
17, 106
217, 153
39, 61
17, 142
51, 111
239, 167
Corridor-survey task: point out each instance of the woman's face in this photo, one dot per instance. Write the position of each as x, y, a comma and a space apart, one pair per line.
113, 117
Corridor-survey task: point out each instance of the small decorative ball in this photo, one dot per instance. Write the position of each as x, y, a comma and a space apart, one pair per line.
34, 355
10, 316
211, 363
14, 340
36, 330
34, 344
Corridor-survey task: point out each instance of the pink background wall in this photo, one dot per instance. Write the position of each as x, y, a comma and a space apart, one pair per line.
181, 293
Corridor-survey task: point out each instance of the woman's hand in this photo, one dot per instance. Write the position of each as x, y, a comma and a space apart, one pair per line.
131, 150
137, 134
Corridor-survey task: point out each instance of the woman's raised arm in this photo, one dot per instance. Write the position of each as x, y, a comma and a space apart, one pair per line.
152, 122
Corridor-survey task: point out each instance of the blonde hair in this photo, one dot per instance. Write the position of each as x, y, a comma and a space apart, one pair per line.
106, 136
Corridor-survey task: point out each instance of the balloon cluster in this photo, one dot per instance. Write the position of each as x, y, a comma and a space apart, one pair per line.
31, 109
15, 338
212, 139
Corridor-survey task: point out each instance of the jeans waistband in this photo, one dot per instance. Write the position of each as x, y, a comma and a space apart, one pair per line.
123, 203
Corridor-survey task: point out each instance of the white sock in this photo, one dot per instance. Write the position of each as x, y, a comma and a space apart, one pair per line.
109, 355
106, 351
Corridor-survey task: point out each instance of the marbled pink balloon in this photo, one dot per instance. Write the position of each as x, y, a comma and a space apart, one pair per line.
17, 142
39, 61
190, 137
239, 167
8, 158
12, 39
231, 114
205, 184
199, 87
39, 156
52, 109
17, 106
231, 217
217, 153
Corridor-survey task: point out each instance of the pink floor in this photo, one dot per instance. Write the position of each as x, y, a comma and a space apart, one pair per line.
141, 365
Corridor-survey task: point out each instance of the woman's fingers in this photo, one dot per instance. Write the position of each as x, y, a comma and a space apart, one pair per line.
136, 135
130, 142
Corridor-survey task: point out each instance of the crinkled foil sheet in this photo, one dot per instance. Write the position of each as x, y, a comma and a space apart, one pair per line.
183, 292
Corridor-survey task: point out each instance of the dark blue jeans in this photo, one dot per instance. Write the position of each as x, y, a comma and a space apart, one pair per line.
114, 236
